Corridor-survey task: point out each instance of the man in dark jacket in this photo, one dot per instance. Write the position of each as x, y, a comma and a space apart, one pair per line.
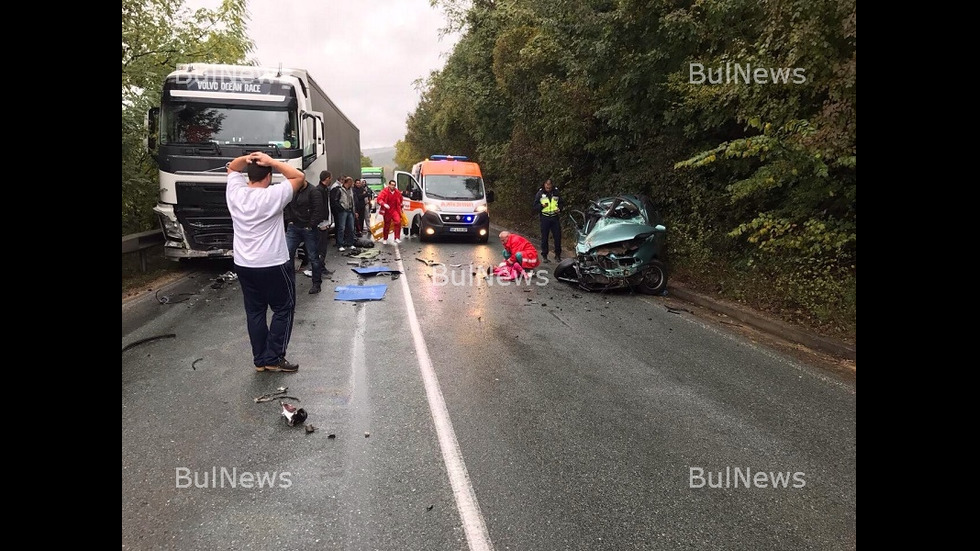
342, 207
548, 203
362, 204
323, 235
302, 216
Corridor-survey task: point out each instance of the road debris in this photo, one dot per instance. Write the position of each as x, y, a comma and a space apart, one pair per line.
310, 429
367, 254
224, 279
149, 339
428, 262
292, 413
170, 299
270, 396
194, 363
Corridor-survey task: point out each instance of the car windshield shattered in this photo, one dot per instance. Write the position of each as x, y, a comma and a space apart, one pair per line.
620, 245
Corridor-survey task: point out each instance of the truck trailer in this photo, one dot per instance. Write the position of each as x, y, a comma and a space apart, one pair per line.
210, 114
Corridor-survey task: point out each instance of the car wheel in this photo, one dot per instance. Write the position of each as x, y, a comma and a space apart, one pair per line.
424, 237
565, 268
654, 278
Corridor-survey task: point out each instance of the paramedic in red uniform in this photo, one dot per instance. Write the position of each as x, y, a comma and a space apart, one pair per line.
519, 250
390, 207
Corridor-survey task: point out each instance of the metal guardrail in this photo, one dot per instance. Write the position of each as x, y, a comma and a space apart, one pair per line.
140, 243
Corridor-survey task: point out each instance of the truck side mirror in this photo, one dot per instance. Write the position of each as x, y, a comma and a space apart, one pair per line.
489, 196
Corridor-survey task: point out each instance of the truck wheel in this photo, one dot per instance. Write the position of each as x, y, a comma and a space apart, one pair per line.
416, 226
654, 278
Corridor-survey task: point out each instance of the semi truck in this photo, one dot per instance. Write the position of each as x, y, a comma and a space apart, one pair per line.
210, 114
374, 178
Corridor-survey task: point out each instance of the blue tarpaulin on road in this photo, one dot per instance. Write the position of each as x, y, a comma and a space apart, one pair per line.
360, 292
375, 270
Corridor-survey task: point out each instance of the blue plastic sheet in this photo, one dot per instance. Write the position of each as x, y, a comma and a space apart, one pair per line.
371, 270
360, 292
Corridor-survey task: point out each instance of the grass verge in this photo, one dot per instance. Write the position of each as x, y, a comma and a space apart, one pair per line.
158, 268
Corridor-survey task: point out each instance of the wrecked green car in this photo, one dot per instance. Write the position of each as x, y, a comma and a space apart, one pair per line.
621, 245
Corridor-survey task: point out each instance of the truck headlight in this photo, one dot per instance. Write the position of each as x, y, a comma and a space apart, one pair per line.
171, 228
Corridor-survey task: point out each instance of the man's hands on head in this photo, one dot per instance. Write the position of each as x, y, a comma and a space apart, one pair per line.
260, 158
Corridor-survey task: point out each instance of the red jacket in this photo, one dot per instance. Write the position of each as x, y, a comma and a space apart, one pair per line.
392, 199
517, 244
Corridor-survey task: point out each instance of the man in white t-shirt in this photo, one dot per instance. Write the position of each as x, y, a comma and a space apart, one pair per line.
261, 256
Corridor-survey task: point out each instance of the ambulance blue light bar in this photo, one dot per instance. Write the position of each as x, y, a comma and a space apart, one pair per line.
448, 158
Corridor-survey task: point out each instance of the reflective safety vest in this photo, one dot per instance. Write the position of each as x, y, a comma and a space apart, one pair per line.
549, 206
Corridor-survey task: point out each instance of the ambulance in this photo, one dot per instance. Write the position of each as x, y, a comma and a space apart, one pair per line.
444, 195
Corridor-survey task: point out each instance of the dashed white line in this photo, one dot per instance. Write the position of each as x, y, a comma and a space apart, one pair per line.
469, 509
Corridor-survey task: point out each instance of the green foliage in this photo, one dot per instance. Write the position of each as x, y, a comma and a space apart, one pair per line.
406, 155
366, 161
757, 182
156, 36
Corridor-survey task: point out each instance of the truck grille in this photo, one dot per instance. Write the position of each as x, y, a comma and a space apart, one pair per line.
206, 231
202, 210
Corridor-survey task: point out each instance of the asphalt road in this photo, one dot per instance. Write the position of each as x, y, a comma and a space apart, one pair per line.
469, 414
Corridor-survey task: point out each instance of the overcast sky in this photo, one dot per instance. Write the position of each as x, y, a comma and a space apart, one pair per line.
365, 54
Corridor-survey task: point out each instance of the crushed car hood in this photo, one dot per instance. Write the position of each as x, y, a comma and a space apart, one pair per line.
613, 231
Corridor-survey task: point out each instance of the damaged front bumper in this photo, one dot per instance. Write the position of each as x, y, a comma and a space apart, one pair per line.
604, 271
630, 264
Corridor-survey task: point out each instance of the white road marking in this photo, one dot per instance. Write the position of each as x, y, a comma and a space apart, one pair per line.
469, 509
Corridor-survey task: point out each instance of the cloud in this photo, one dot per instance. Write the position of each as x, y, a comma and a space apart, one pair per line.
365, 54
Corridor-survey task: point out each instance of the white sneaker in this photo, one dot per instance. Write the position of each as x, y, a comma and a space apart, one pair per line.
342, 249
308, 273
398, 241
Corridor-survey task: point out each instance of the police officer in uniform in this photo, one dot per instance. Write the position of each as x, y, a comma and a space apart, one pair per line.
549, 204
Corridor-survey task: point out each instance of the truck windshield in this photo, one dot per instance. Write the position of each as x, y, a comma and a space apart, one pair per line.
373, 181
454, 188
200, 123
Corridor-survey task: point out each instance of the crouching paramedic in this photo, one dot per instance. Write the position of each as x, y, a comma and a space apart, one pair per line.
519, 251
